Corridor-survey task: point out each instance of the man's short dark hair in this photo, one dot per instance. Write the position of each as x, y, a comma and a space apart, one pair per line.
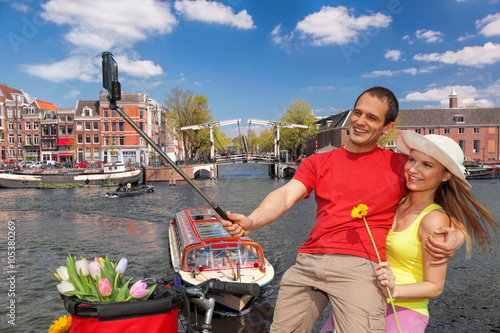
384, 93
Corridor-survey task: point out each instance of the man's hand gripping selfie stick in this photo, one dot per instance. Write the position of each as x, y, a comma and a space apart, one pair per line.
111, 84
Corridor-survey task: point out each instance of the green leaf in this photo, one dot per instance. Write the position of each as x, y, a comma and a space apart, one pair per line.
73, 275
124, 292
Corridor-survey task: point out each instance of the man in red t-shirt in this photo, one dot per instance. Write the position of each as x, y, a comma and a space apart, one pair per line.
337, 262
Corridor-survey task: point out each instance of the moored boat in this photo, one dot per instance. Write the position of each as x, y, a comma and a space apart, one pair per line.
111, 173
135, 190
201, 249
480, 173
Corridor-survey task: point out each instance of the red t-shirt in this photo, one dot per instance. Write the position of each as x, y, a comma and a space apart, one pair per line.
341, 181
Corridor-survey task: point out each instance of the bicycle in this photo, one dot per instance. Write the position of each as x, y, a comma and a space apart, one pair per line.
198, 295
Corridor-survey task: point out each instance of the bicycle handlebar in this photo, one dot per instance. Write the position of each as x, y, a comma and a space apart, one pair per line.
233, 288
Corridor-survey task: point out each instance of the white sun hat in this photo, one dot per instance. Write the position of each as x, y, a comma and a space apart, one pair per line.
441, 148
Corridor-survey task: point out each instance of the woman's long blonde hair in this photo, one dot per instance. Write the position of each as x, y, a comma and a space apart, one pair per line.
466, 213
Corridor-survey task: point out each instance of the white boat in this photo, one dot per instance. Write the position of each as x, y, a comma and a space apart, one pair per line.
201, 249
111, 173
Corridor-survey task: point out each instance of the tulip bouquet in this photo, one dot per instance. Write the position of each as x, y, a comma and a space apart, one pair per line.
99, 280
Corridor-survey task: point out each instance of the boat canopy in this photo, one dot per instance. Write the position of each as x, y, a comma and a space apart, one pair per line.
204, 243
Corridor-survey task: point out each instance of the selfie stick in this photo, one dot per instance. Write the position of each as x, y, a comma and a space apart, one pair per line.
111, 84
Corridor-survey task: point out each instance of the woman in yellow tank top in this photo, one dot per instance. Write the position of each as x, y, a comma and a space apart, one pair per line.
439, 197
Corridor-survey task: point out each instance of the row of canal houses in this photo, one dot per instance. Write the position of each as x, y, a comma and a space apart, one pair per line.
476, 130
40, 131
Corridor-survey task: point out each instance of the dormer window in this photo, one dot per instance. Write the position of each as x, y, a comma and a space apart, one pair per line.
459, 119
87, 112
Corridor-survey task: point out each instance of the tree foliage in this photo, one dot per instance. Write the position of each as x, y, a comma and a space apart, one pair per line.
298, 112
186, 109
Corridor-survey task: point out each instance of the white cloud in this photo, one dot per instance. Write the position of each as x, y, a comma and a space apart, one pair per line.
94, 26
313, 89
467, 96
474, 56
408, 38
20, 7
466, 37
284, 41
411, 71
429, 36
393, 55
213, 12
338, 25
72, 94
489, 26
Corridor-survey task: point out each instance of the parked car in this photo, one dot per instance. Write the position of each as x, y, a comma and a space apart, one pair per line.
82, 164
40, 165
27, 164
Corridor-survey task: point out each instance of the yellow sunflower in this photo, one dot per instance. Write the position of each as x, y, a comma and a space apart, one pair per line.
359, 211
61, 325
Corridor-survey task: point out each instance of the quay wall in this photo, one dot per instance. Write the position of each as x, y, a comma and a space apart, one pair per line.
162, 174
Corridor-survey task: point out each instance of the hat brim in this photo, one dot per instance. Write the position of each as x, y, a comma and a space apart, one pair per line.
408, 140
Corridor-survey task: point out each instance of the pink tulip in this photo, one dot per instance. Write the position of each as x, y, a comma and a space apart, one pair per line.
95, 269
105, 287
139, 290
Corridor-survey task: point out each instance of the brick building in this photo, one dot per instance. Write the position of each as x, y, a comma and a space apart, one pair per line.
48, 128
12, 102
87, 122
31, 119
476, 130
66, 141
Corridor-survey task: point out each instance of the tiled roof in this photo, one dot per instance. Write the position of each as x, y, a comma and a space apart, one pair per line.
45, 105
334, 121
80, 105
8, 91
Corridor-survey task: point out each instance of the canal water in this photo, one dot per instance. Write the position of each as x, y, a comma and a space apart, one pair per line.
51, 223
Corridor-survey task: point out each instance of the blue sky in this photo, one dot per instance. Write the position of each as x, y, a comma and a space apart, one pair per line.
251, 58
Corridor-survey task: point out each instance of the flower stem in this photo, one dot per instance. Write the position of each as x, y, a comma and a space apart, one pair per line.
388, 291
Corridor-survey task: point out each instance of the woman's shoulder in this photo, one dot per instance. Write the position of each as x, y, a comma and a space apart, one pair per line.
433, 220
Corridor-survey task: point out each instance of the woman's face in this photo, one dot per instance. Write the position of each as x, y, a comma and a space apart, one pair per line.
423, 172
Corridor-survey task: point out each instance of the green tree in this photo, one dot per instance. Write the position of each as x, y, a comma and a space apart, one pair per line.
266, 140
186, 109
391, 136
294, 139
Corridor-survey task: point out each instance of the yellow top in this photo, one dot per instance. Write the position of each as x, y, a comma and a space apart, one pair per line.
405, 257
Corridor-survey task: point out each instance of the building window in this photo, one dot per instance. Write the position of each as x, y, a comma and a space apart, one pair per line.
79, 126
141, 113
53, 130
106, 140
106, 127
69, 129
79, 138
121, 126
80, 154
105, 112
36, 140
461, 143
113, 113
11, 126
87, 138
87, 125
96, 154
87, 112
459, 119
477, 146
88, 154
446, 131
45, 131
11, 138
29, 142
96, 125
113, 141
432, 131
62, 130
113, 126
62, 118
96, 138
69, 118
461, 130
122, 141
141, 125
27, 125
476, 130
418, 130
